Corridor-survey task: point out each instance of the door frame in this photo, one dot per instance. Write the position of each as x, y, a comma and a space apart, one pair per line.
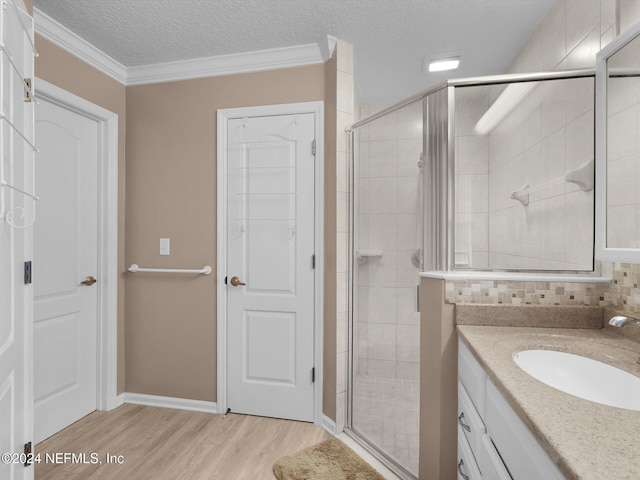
107, 295
223, 117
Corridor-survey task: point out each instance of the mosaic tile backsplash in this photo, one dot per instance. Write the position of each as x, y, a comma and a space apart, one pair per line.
622, 294
625, 288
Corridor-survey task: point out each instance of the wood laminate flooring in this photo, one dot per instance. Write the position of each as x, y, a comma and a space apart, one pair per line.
160, 443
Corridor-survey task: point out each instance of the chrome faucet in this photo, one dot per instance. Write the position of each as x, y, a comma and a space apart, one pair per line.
620, 320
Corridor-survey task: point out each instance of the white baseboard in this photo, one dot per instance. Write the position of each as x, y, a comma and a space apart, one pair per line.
170, 402
119, 400
328, 424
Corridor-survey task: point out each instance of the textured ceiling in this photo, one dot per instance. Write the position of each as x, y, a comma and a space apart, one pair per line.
390, 37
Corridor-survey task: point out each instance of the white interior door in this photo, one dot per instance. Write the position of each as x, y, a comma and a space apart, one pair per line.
16, 160
65, 254
270, 319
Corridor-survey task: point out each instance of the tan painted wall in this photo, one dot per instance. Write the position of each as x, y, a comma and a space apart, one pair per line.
330, 247
438, 382
169, 336
170, 325
68, 72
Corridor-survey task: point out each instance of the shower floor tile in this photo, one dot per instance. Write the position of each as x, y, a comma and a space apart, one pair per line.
386, 412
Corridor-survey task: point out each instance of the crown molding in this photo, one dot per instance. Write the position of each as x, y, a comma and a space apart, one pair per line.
256, 61
271, 59
61, 36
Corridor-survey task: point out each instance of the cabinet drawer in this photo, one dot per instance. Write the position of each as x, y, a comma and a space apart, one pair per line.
520, 452
472, 376
467, 467
489, 461
469, 422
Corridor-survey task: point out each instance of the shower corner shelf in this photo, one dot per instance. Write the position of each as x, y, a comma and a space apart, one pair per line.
363, 254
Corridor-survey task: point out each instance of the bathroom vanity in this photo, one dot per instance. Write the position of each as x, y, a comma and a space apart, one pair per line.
512, 426
492, 440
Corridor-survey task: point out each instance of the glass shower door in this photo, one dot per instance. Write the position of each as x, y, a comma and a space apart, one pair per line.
387, 257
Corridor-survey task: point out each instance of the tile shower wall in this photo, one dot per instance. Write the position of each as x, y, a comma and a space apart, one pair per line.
549, 134
387, 177
472, 180
550, 124
569, 37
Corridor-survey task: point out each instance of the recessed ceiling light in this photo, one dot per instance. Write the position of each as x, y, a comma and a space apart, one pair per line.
444, 64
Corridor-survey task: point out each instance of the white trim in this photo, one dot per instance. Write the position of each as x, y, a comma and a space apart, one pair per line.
119, 400
61, 36
516, 277
602, 252
170, 402
221, 263
327, 424
270, 59
317, 108
107, 308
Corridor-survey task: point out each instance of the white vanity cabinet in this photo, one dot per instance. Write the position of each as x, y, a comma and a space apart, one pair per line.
493, 443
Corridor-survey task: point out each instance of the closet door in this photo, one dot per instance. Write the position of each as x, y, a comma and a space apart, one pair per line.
270, 291
16, 211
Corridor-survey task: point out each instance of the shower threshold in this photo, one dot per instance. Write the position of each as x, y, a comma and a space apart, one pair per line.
397, 469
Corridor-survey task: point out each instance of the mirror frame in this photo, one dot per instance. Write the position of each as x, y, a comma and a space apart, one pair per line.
602, 252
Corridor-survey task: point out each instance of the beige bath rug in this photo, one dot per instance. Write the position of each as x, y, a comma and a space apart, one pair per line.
329, 460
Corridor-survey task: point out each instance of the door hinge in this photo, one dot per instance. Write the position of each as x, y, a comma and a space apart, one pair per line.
313, 147
313, 261
313, 375
27, 454
27, 272
27, 90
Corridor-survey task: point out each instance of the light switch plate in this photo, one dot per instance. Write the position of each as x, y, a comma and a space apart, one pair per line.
165, 248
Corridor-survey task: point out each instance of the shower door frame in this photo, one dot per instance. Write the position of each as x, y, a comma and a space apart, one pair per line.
364, 442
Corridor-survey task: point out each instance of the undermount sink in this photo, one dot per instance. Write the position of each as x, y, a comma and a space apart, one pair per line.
582, 377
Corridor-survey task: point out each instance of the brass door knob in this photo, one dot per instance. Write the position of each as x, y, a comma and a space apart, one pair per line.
235, 281
89, 281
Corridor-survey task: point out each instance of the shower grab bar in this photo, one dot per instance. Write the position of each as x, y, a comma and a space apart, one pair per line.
582, 177
135, 268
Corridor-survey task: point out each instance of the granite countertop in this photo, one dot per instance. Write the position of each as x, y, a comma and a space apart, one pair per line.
586, 440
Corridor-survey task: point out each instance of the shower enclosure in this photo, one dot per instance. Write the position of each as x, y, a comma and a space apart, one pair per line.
491, 173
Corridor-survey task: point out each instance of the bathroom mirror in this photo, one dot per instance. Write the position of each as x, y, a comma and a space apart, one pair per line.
618, 148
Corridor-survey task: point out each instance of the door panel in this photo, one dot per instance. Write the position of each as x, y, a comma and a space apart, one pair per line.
278, 330
16, 168
55, 348
65, 253
270, 247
